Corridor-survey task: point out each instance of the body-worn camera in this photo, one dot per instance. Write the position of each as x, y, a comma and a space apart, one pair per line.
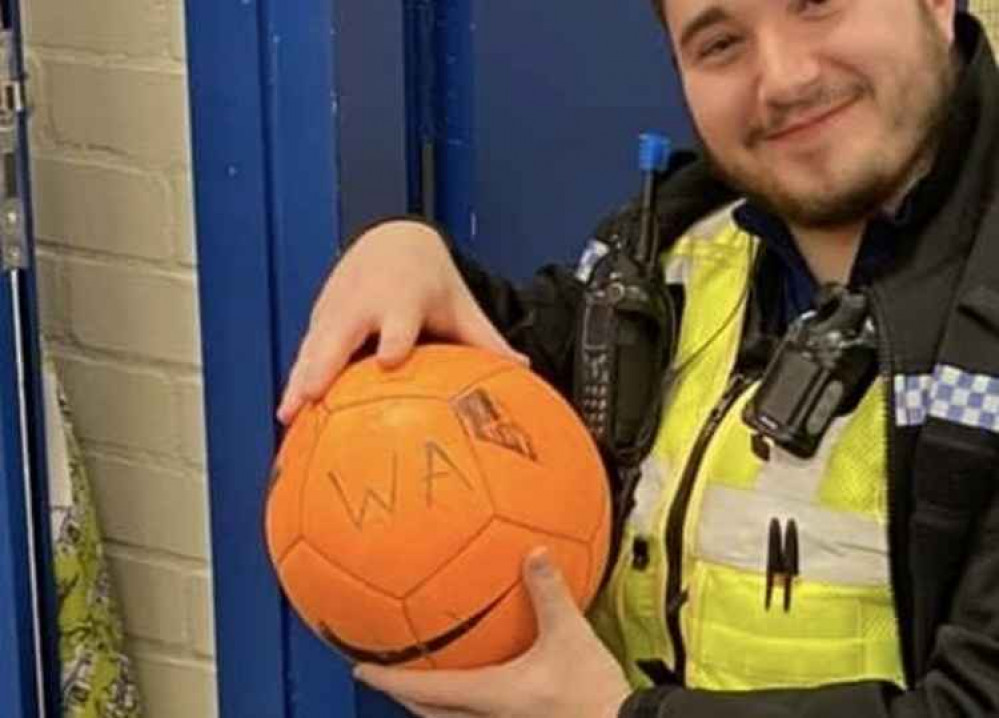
822, 366
627, 330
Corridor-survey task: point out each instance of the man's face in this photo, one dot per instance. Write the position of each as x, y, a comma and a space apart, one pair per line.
822, 109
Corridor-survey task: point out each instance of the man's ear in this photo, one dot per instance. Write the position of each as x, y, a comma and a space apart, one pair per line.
942, 12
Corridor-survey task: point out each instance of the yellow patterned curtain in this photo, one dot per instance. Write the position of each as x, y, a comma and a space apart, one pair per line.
97, 676
988, 12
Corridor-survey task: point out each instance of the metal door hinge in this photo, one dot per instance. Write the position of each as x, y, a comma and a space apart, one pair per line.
13, 235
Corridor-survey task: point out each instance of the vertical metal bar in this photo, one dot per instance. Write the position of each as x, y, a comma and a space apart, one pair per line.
453, 103
18, 679
13, 237
29, 494
421, 119
16, 255
427, 89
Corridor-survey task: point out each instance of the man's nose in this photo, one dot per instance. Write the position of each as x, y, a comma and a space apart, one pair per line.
787, 67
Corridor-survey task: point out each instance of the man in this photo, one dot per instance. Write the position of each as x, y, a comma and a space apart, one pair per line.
861, 139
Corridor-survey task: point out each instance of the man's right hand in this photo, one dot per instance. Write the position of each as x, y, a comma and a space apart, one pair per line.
394, 281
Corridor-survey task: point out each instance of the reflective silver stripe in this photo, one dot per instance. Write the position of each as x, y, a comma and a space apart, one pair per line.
835, 546
950, 394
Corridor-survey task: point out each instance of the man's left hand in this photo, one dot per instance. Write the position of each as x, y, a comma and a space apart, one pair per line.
567, 673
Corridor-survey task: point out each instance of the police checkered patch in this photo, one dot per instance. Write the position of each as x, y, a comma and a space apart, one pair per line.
594, 251
950, 394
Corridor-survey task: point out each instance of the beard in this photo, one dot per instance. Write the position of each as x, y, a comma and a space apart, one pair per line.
856, 193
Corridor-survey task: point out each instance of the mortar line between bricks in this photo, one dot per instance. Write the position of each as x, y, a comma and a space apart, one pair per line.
195, 473
159, 270
163, 461
172, 653
168, 269
166, 369
102, 158
107, 160
189, 566
107, 60
150, 648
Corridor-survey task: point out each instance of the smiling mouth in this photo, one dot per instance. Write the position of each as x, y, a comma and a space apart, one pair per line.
802, 127
422, 649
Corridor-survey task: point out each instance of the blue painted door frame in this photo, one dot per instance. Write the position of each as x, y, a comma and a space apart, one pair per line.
29, 666
263, 125
312, 118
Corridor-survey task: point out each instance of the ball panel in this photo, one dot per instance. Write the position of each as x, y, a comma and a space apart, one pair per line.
282, 523
402, 492
480, 596
543, 468
353, 617
433, 370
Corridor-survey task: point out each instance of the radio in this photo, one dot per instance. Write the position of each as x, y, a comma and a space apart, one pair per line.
627, 330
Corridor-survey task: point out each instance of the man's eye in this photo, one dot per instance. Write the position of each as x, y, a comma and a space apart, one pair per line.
812, 7
718, 46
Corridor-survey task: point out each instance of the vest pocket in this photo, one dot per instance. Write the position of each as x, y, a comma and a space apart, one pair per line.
628, 614
831, 634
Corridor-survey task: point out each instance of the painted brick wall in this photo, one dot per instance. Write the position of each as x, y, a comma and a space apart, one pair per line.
111, 167
988, 11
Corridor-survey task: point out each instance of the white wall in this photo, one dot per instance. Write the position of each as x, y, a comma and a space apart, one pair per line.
112, 168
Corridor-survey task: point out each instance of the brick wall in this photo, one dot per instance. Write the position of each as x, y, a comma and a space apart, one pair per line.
111, 167
988, 11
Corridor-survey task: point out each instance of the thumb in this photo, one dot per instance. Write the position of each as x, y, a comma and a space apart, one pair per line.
553, 602
472, 327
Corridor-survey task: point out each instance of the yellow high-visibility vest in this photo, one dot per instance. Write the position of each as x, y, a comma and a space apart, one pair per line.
839, 624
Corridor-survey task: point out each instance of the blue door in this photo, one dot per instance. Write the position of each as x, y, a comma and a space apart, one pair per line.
28, 666
514, 123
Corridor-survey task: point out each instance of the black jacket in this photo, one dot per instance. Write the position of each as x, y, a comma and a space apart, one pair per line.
944, 510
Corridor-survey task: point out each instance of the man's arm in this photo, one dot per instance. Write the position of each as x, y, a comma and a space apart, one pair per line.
537, 319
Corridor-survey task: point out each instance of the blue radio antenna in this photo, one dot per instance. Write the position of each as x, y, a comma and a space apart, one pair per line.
653, 158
